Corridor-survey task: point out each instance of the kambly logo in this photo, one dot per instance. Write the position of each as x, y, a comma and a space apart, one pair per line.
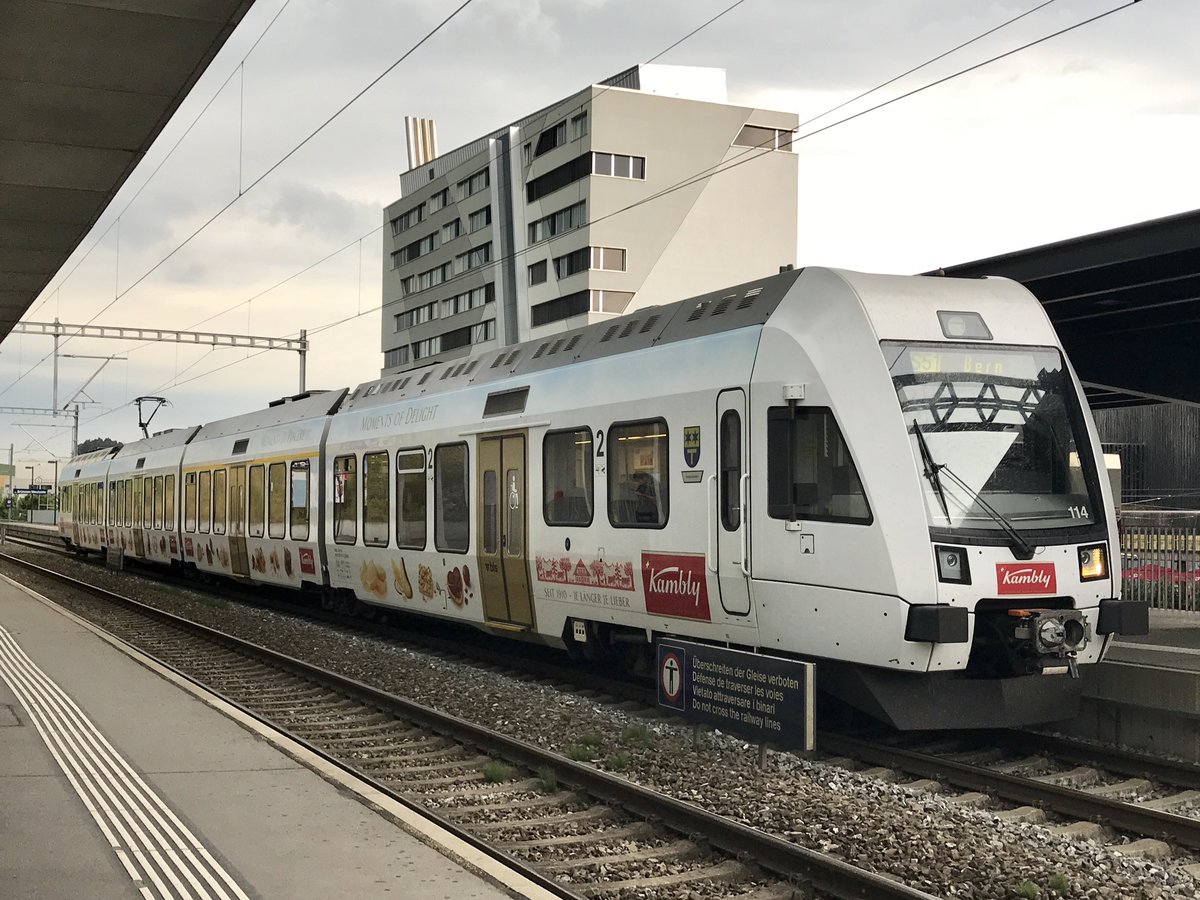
675, 585
1025, 578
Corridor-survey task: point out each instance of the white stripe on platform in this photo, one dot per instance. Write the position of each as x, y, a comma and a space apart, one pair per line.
1156, 648
162, 857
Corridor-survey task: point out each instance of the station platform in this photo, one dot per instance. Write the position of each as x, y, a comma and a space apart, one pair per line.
1174, 641
119, 781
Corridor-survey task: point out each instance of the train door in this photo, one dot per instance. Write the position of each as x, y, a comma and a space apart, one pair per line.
239, 559
730, 522
504, 579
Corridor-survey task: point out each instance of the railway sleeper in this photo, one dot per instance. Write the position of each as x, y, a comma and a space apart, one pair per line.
1146, 848
631, 832
1128, 788
525, 784
726, 871
595, 813
562, 799
674, 850
416, 785
1079, 777
1030, 814
1174, 802
397, 773
1085, 831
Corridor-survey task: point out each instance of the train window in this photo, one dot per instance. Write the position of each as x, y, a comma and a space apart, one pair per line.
731, 470
299, 500
277, 500
127, 491
345, 496
410, 499
638, 479
112, 502
258, 502
135, 501
376, 497
567, 477
810, 474
158, 501
220, 499
189, 502
452, 514
169, 501
148, 501
204, 492
490, 499
121, 503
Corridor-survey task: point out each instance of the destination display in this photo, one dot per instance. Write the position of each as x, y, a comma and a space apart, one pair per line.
765, 698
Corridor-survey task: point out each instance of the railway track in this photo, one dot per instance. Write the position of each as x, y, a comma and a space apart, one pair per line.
577, 830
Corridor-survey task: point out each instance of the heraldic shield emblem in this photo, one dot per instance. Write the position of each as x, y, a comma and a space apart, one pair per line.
691, 445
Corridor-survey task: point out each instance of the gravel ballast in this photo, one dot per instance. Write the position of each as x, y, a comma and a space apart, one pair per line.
919, 838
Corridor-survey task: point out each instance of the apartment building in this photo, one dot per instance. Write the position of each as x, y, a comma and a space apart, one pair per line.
637, 191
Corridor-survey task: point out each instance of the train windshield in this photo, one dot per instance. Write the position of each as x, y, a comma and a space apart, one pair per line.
998, 435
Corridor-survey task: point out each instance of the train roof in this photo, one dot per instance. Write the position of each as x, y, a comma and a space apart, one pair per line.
310, 405
741, 306
86, 459
164, 440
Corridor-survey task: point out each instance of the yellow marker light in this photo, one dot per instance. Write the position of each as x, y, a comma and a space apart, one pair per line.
1092, 564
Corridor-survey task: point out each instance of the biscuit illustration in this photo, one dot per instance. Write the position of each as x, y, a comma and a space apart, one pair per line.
400, 579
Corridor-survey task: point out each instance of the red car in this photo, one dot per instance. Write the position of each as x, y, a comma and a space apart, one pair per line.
1178, 573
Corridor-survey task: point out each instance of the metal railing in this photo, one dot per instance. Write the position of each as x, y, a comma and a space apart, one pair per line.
1160, 559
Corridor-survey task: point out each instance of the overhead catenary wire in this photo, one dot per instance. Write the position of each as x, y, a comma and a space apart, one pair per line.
745, 157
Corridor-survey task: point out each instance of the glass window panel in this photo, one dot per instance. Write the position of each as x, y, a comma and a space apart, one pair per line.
621, 166
491, 530
452, 510
731, 471
299, 500
638, 479
258, 501
567, 477
147, 502
376, 494
220, 495
169, 501
410, 499
514, 527
189, 502
158, 501
810, 474
345, 500
204, 491
277, 500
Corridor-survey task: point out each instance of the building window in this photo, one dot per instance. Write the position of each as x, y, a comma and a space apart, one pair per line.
410, 499
298, 497
474, 184
345, 500
618, 165
416, 249
451, 230
438, 200
537, 272
452, 519
559, 222
579, 126
564, 307
567, 487
395, 357
376, 498
573, 262
764, 138
459, 337
810, 474
481, 218
464, 262
528, 153
554, 136
434, 276
638, 480
407, 220
418, 316
611, 301
558, 178
459, 303
484, 331
611, 259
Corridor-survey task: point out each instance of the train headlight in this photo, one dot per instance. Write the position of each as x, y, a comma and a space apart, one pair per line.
952, 565
1093, 563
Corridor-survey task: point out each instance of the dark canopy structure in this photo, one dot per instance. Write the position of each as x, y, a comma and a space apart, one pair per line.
85, 88
1126, 303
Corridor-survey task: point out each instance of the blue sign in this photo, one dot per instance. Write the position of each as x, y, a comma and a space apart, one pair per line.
31, 490
691, 445
765, 698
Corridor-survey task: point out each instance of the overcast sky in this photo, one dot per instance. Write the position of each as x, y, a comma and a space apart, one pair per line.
1094, 129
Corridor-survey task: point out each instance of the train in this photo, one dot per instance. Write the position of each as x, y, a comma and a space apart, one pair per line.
896, 477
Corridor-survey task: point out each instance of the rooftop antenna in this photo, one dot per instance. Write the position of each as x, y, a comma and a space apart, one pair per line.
159, 403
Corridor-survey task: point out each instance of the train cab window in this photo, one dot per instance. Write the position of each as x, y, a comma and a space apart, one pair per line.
255, 526
452, 514
204, 492
158, 501
730, 475
189, 502
638, 478
810, 474
298, 499
410, 499
169, 503
219, 500
567, 477
376, 498
345, 500
277, 500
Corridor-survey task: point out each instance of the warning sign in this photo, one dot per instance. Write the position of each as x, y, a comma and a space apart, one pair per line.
765, 698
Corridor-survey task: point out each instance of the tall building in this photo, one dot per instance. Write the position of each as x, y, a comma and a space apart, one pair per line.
638, 191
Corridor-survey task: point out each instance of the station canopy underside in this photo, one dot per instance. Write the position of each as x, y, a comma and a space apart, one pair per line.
1126, 304
85, 88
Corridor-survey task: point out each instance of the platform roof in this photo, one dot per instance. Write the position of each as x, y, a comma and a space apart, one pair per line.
85, 88
1126, 304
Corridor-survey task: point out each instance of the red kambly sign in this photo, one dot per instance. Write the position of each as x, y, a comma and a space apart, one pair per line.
675, 585
1025, 578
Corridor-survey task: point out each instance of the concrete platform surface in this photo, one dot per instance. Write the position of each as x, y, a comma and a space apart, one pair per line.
1173, 642
117, 782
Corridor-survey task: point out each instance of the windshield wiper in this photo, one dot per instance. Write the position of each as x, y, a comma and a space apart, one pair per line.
931, 469
1021, 547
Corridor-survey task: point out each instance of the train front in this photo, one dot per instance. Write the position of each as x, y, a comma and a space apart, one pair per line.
1019, 511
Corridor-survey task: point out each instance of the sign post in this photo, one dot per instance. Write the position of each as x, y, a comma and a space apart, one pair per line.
765, 698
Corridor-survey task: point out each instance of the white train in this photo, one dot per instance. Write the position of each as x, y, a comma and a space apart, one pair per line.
894, 476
